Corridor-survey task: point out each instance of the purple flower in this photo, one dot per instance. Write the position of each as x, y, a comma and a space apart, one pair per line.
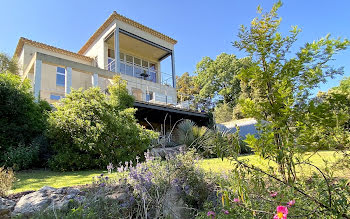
211, 213
102, 184
225, 211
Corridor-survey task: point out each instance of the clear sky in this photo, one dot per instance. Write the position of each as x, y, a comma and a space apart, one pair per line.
202, 28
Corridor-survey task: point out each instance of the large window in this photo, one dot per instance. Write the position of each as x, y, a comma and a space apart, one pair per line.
60, 76
137, 67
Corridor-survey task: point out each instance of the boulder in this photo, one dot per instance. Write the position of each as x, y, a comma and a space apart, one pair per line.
6, 207
164, 152
46, 198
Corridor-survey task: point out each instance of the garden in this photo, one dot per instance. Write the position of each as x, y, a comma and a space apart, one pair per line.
88, 157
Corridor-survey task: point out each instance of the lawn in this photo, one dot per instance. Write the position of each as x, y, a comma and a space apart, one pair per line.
35, 179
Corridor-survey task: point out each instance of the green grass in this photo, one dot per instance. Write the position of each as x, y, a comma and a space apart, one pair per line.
322, 159
34, 180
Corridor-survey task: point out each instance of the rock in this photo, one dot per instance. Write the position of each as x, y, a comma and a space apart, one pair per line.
174, 207
45, 198
164, 152
119, 196
6, 207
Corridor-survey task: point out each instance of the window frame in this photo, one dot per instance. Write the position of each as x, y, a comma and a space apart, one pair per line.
60, 74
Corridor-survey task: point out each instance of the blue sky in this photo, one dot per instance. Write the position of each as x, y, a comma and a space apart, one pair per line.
202, 28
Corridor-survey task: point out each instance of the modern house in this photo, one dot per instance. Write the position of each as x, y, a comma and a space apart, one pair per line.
119, 46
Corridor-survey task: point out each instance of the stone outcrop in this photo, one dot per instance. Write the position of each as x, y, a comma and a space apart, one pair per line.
6, 207
46, 198
164, 152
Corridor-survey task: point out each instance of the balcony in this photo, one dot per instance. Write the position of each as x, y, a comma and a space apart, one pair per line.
147, 71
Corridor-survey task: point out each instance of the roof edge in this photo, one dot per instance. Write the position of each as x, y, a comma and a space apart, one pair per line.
23, 41
122, 18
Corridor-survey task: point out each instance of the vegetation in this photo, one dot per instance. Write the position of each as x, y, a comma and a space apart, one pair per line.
8, 65
186, 87
89, 129
6, 179
35, 179
22, 120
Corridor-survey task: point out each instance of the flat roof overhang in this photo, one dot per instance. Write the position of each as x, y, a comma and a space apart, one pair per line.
138, 45
155, 113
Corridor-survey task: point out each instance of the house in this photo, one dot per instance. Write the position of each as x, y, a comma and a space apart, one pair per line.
119, 46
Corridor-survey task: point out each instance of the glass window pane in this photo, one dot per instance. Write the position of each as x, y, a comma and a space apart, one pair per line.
59, 80
128, 70
122, 68
144, 64
138, 72
129, 58
137, 61
61, 70
152, 76
152, 66
55, 97
121, 56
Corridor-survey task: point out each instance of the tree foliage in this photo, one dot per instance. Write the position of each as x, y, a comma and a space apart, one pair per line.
280, 88
186, 87
218, 78
21, 118
89, 129
7, 64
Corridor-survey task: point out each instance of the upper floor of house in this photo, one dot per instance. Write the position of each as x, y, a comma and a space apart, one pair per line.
119, 46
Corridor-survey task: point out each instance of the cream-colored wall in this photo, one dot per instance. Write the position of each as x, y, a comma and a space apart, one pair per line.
48, 81
84, 80
98, 48
29, 51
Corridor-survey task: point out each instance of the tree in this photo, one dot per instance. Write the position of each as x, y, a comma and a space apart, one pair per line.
21, 120
8, 65
186, 87
218, 78
223, 113
281, 86
89, 129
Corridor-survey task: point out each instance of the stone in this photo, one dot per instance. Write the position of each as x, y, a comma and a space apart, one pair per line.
174, 207
45, 198
119, 196
6, 207
164, 152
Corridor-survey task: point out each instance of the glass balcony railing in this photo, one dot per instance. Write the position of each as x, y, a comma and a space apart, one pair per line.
149, 74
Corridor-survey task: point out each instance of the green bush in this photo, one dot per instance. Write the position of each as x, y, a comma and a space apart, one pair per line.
90, 129
21, 157
21, 119
6, 179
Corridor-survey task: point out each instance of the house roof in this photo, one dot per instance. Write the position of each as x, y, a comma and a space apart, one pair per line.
119, 17
23, 41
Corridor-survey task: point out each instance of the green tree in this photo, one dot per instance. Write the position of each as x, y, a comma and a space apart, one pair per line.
89, 129
218, 78
223, 113
281, 85
7, 64
21, 120
186, 87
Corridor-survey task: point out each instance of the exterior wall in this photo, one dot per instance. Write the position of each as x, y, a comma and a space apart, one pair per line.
99, 49
29, 51
48, 81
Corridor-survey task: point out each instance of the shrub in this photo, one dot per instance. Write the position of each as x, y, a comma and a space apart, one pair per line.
21, 157
21, 118
6, 179
89, 129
